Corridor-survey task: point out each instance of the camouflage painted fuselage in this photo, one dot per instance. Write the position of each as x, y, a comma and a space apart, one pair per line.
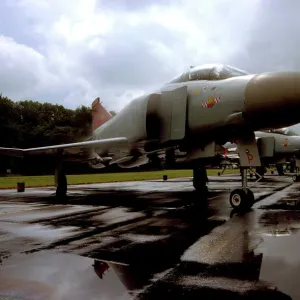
284, 147
274, 148
192, 114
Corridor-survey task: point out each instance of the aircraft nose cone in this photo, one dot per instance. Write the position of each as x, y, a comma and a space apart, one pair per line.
273, 99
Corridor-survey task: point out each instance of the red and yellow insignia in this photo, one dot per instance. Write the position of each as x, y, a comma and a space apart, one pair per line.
211, 102
286, 142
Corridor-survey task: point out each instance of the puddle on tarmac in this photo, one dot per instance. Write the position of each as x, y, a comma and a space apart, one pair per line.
51, 275
281, 250
37, 231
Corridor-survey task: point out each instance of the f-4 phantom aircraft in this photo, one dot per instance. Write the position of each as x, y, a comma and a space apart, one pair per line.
274, 147
192, 115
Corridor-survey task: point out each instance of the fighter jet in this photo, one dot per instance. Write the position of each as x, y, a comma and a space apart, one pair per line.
193, 115
274, 148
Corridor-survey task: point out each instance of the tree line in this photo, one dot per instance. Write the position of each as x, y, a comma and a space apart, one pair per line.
27, 124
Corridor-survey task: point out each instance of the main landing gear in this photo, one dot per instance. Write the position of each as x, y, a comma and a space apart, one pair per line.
295, 166
296, 177
260, 172
60, 181
200, 180
279, 168
242, 198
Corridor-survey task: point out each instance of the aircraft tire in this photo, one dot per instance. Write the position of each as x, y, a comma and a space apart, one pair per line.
296, 178
251, 199
241, 199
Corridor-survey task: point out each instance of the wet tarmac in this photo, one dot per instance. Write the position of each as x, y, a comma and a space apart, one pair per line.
151, 240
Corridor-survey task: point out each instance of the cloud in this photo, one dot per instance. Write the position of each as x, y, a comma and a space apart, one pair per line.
274, 40
72, 51
22, 68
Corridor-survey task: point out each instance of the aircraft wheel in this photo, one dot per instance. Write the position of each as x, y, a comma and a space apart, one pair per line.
240, 198
296, 178
251, 198
219, 174
251, 175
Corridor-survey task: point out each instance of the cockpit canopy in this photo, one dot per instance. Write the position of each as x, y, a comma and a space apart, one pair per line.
209, 72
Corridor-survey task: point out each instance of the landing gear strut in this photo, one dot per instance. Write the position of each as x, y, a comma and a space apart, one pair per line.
223, 170
200, 180
279, 169
293, 165
260, 172
60, 181
242, 198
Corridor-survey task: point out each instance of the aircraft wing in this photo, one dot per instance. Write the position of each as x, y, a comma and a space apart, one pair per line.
72, 148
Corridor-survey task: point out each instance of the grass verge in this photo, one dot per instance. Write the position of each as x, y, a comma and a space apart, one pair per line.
48, 180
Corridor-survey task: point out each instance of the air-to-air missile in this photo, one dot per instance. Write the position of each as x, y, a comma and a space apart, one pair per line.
193, 114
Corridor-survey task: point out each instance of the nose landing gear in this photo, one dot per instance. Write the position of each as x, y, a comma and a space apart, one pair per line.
242, 198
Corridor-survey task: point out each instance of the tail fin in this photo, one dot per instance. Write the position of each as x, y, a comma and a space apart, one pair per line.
99, 114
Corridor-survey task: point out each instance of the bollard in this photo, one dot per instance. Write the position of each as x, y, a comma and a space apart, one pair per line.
165, 177
20, 187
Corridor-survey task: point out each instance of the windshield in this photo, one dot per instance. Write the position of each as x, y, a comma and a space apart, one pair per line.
209, 72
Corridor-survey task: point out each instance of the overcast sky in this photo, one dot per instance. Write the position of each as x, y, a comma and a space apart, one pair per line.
72, 51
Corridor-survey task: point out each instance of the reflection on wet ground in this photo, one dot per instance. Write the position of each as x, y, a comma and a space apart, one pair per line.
126, 241
51, 275
281, 239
